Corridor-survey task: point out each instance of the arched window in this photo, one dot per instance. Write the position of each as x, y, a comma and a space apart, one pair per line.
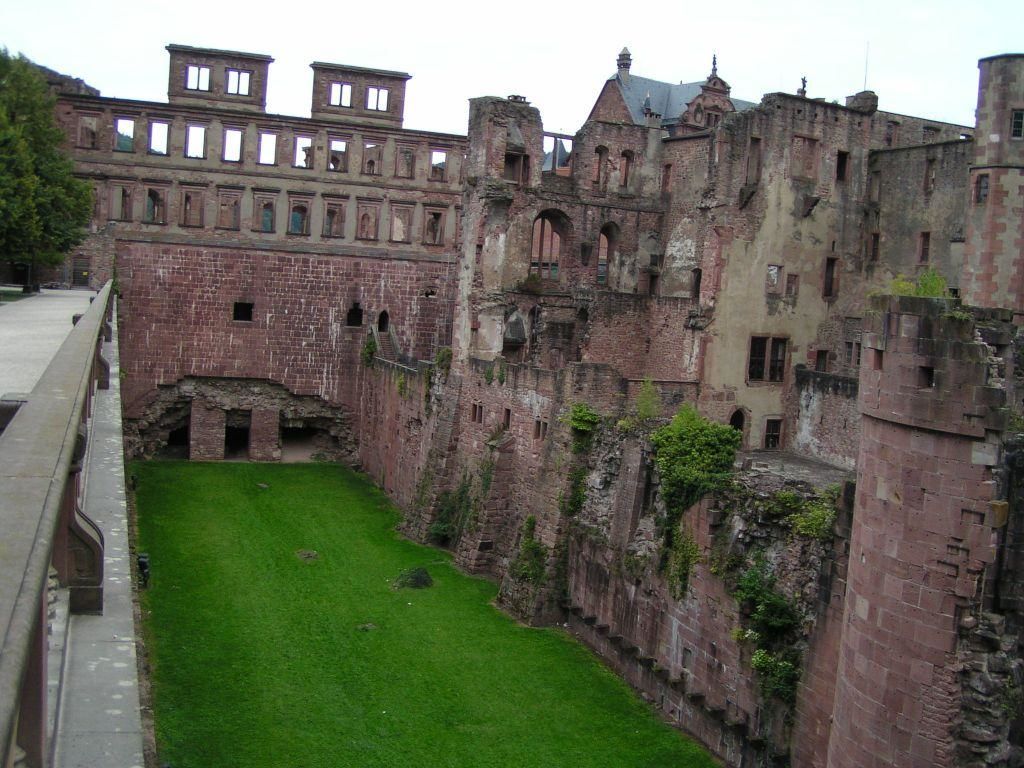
695, 276
606, 243
298, 221
355, 315
626, 169
267, 217
383, 322
547, 246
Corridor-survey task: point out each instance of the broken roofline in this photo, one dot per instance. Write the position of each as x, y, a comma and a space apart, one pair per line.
175, 48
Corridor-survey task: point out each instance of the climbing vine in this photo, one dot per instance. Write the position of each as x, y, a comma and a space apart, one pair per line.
529, 563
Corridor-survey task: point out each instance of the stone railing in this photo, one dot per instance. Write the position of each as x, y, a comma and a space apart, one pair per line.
42, 527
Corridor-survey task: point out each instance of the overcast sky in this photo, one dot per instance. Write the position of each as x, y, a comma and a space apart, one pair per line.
922, 56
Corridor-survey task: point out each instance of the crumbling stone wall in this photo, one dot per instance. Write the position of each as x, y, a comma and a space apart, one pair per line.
823, 409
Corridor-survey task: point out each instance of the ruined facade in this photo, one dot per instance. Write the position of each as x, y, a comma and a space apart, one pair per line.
431, 307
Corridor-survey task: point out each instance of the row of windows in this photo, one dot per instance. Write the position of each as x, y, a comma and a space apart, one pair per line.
192, 213
267, 150
540, 426
339, 94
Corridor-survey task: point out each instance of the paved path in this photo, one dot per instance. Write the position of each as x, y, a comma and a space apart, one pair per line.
31, 332
98, 721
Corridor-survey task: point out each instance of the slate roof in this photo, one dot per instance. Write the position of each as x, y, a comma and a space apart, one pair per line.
667, 99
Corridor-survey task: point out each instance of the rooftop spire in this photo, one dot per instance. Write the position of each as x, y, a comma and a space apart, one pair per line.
714, 65
624, 60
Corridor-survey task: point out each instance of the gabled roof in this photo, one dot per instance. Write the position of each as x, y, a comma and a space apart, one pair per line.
667, 99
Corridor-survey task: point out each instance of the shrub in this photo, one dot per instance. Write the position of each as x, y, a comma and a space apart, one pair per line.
443, 360
583, 421
684, 555
777, 675
529, 563
368, 352
772, 615
413, 578
489, 373
648, 401
816, 517
929, 284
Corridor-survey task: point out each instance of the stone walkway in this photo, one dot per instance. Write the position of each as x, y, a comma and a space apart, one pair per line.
31, 332
98, 719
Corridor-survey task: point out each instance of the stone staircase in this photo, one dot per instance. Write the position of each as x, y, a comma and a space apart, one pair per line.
386, 348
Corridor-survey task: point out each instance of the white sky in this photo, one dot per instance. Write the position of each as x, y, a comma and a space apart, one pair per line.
923, 55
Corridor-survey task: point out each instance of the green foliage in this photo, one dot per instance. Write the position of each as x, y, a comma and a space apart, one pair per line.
694, 456
815, 518
648, 401
532, 284
929, 284
43, 207
413, 578
571, 504
443, 360
532, 558
771, 614
489, 373
501, 372
777, 675
402, 386
583, 421
369, 352
1015, 421
958, 315
684, 555
453, 511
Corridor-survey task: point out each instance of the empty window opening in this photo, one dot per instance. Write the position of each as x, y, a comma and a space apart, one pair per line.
767, 359
773, 280
557, 154
547, 244
267, 149
338, 160
377, 99
372, 152
625, 168
540, 429
754, 161
876, 359
155, 208
1017, 124
876, 239
842, 161
266, 217
506, 421
478, 413
87, 131
981, 188
228, 211
929, 176
804, 157
340, 95
821, 361
925, 377
367, 223
517, 168
695, 277
829, 287
298, 220
191, 209
401, 224
195, 141
383, 322
405, 163
600, 174
954, 293
355, 315
875, 187
197, 78
123, 203
602, 259
158, 138
334, 220
124, 135
232, 145
236, 435
238, 82
433, 228
924, 247
303, 152
773, 433
892, 133
438, 165
792, 285
242, 311
737, 421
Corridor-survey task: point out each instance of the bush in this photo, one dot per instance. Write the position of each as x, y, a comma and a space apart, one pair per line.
772, 615
693, 456
648, 401
443, 360
684, 555
369, 351
583, 421
413, 578
816, 517
532, 558
929, 284
777, 675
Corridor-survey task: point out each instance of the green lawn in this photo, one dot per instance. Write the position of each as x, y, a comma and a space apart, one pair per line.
263, 658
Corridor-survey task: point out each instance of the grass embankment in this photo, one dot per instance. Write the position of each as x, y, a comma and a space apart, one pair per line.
264, 658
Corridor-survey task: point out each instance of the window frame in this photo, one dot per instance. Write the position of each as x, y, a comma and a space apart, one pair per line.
408, 210
297, 146
770, 361
187, 149
428, 214
438, 171
228, 196
263, 135
202, 71
228, 72
343, 166
166, 140
1017, 124
374, 94
224, 144
773, 427
118, 134
344, 94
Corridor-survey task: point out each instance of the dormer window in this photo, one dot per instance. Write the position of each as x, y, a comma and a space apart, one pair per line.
377, 99
340, 95
237, 82
197, 78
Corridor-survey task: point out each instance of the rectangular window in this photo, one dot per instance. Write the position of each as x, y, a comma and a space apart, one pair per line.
756, 366
263, 218
1017, 124
334, 219
298, 217
821, 361
929, 176
876, 239
366, 228
377, 99
875, 187
773, 280
121, 203
777, 362
981, 188
268, 149
124, 134
405, 162
924, 247
303, 152
892, 133
229, 210
340, 95
242, 312
842, 161
829, 288
804, 157
87, 126
339, 156
237, 82
438, 164
540, 429
792, 285
507, 420
433, 227
195, 141
372, 157
156, 209
232, 145
191, 208
517, 168
478, 413
401, 224
158, 131
767, 359
197, 78
773, 433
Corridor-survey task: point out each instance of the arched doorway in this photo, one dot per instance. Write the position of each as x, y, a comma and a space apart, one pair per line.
738, 421
383, 321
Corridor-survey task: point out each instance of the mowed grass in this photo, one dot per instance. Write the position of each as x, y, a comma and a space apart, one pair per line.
259, 658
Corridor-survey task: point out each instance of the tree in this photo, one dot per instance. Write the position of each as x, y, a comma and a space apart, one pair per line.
43, 207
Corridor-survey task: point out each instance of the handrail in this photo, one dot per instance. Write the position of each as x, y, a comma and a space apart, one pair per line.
36, 452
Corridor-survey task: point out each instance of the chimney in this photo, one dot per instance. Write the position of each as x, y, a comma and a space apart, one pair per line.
623, 63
